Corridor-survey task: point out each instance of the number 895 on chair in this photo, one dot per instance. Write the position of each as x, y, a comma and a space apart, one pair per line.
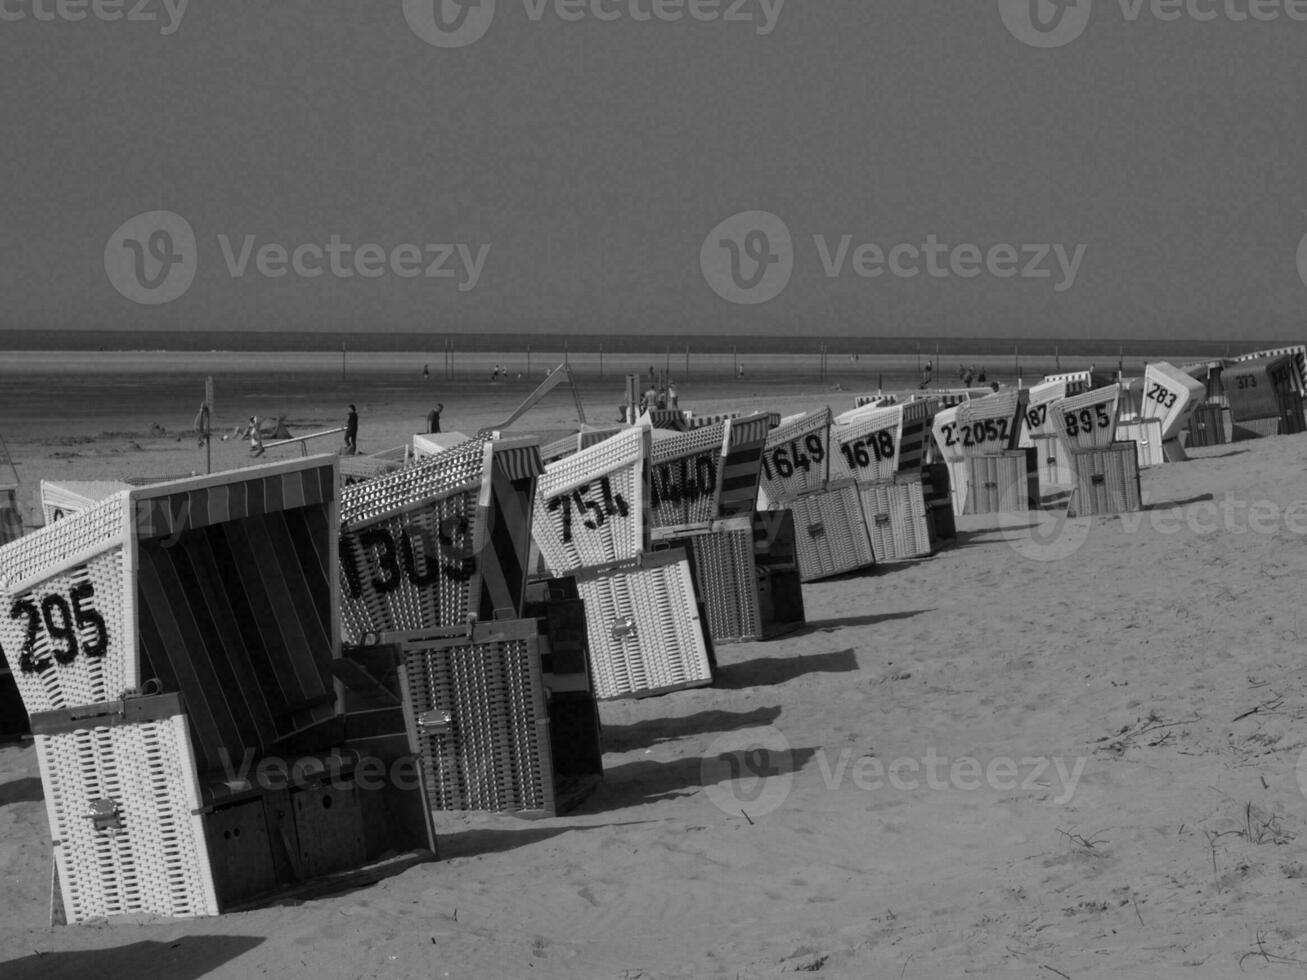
1087, 421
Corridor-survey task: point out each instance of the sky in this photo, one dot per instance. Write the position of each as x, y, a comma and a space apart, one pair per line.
742, 167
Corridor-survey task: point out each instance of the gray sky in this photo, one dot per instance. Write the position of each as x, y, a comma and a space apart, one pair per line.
594, 157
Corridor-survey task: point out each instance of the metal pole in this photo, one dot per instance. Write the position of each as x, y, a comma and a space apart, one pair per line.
667, 364
687, 361
565, 352
601, 362
735, 361
528, 360
342, 360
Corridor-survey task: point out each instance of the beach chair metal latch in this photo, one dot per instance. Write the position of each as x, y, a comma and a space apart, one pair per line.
105, 814
436, 722
623, 628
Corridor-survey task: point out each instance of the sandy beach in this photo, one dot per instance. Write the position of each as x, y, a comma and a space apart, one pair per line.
1054, 748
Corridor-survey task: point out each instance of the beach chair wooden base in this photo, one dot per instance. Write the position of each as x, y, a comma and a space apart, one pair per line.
1257, 428
830, 533
135, 831
895, 511
478, 716
1210, 425
1146, 434
1107, 481
999, 483
725, 576
645, 632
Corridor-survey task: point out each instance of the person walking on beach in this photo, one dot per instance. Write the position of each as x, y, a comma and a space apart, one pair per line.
673, 400
425, 372
925, 376
352, 432
980, 376
433, 418
256, 437
968, 375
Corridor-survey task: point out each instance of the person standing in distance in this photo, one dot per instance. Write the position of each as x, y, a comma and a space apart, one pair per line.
352, 432
433, 418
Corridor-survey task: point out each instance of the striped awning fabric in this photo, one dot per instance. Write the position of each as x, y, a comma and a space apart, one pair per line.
519, 460
163, 514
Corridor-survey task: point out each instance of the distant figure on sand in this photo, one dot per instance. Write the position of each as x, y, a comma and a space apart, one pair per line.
740, 370
968, 375
980, 376
352, 432
433, 418
256, 437
925, 377
673, 400
425, 372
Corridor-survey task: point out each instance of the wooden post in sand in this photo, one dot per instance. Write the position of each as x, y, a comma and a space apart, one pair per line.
342, 360
735, 363
528, 360
207, 425
687, 360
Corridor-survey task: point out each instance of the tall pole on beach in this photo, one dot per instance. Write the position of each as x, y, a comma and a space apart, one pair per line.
528, 360
735, 363
565, 350
342, 360
667, 369
601, 362
687, 360
1016, 350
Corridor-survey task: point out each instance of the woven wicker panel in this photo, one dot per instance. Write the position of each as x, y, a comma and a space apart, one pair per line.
71, 572
800, 437
997, 483
65, 498
644, 629
914, 441
445, 474
865, 444
874, 401
895, 511
699, 421
1172, 395
830, 533
1146, 434
416, 568
1087, 420
495, 754
1107, 480
728, 582
153, 857
590, 508
1054, 460
746, 437
1298, 352
685, 475
990, 424
1037, 421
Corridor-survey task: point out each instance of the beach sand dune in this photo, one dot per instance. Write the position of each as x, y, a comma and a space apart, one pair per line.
1071, 748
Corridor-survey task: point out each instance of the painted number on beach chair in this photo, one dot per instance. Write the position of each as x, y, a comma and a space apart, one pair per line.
672, 481
1084, 420
1037, 415
784, 460
64, 624
1163, 396
880, 444
613, 504
975, 433
396, 561
1241, 382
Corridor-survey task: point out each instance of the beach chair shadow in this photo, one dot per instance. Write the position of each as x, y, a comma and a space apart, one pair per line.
186, 958
869, 619
635, 783
767, 671
479, 841
24, 790
1182, 502
620, 738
